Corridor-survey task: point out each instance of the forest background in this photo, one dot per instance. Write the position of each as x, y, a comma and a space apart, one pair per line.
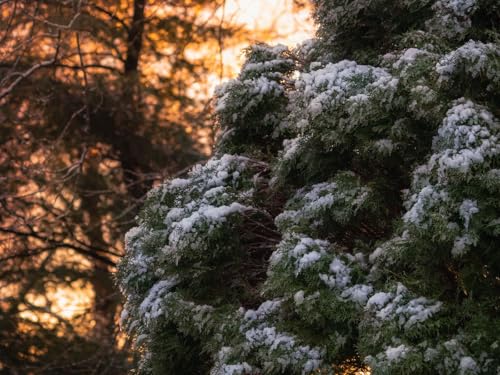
99, 101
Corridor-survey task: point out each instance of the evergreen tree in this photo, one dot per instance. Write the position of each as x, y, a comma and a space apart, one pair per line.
369, 239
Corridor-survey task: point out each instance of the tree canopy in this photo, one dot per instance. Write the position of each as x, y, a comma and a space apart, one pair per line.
349, 217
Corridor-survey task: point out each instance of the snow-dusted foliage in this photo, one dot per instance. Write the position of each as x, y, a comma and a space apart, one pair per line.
452, 17
250, 106
473, 60
188, 236
355, 221
262, 342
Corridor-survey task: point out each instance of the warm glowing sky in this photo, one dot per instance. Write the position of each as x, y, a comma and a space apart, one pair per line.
260, 14
274, 16
270, 21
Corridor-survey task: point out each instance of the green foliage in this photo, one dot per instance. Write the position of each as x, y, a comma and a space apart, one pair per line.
384, 196
251, 107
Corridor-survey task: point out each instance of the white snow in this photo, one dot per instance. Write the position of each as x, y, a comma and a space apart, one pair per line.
179, 183
468, 366
340, 277
467, 209
408, 57
474, 57
307, 260
299, 297
396, 353
425, 199
264, 310
334, 83
378, 300
358, 293
152, 306
208, 214
467, 137
461, 244
460, 7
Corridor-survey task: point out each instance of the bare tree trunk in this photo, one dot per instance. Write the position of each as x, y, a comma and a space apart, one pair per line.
134, 40
106, 300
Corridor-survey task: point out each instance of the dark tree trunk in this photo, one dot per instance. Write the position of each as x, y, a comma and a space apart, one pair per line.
128, 119
134, 39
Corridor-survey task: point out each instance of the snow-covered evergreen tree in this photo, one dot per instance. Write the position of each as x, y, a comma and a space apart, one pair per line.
350, 215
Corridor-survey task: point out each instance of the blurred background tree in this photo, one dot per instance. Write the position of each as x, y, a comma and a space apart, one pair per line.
86, 128
99, 100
